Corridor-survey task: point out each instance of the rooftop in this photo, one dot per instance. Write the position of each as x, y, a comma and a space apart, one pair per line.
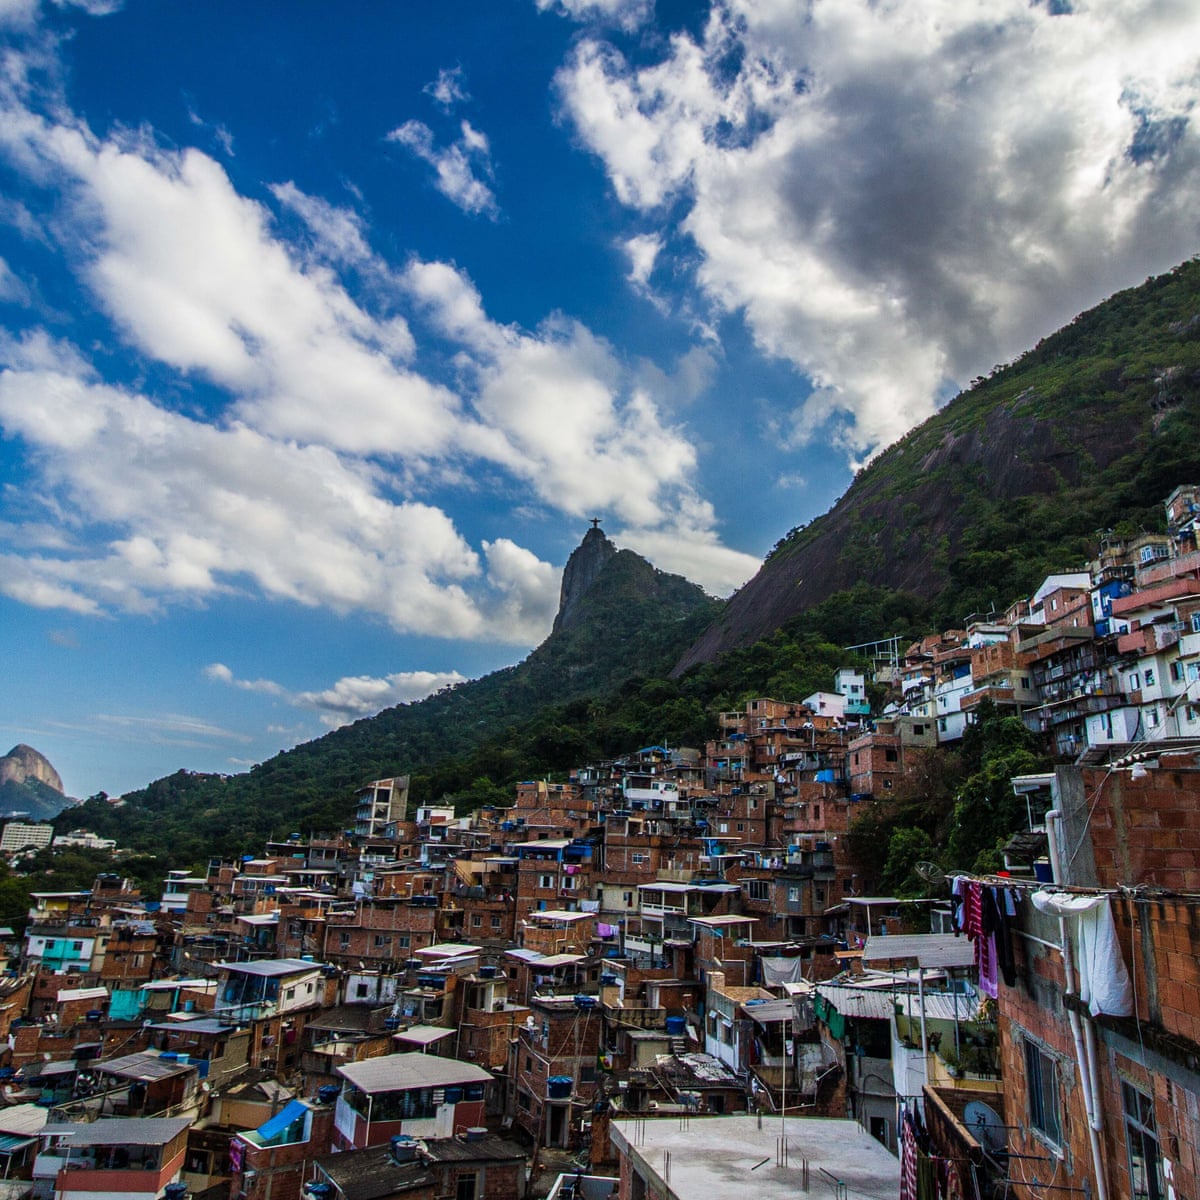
400, 1072
714, 1157
122, 1131
271, 966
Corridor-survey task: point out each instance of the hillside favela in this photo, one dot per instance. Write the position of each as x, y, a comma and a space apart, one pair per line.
927, 929
600, 600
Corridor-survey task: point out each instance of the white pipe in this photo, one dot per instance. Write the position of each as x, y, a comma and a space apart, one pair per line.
1085, 1056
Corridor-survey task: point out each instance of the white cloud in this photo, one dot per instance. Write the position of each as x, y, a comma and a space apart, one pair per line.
206, 511
627, 14
449, 88
167, 729
349, 698
457, 167
897, 195
12, 289
288, 491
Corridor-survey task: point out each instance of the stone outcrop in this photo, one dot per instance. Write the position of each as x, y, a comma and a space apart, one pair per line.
587, 560
24, 764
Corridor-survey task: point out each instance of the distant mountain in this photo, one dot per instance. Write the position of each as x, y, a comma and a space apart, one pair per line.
619, 617
29, 785
1013, 479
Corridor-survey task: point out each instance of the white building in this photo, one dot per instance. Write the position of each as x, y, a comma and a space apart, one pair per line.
20, 835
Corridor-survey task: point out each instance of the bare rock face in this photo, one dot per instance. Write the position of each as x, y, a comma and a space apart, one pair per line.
23, 764
587, 560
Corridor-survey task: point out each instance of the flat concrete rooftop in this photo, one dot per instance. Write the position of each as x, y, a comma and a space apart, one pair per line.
724, 1158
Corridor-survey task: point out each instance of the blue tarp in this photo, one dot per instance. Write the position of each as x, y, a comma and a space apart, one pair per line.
279, 1126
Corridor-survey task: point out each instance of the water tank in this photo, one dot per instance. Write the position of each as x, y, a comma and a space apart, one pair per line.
676, 1026
585, 1002
558, 1087
487, 972
403, 1148
328, 1094
454, 1095
476, 1133
318, 1191
175, 1191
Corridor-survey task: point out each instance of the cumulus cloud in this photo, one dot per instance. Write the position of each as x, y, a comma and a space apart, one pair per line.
457, 167
299, 475
206, 511
627, 14
899, 196
449, 88
349, 698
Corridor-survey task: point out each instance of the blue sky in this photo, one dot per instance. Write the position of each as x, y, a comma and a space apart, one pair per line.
324, 329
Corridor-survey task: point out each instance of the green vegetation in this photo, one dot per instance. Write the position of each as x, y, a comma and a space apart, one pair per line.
1013, 479
955, 808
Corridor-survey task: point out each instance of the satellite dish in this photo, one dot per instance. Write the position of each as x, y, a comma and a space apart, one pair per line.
930, 872
984, 1122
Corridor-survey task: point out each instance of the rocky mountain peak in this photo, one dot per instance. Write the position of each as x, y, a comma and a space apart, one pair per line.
587, 560
24, 764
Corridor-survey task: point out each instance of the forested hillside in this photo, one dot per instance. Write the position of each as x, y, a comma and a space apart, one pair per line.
1089, 430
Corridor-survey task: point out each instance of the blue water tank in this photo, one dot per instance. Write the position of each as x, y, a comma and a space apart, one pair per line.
676, 1026
328, 1094
558, 1087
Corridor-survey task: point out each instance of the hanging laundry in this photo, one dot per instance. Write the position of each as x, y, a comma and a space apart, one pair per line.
997, 920
1103, 979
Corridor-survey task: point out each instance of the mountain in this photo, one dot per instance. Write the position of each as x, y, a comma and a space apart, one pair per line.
30, 785
619, 617
1011, 480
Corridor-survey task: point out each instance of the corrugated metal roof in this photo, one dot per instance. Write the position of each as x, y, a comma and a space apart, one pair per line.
399, 1072
271, 966
122, 1131
878, 1005
928, 949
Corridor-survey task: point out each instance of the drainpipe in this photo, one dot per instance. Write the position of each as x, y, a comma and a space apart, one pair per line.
1085, 1043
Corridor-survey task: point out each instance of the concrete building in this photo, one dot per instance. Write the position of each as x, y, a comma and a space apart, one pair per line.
726, 1158
21, 835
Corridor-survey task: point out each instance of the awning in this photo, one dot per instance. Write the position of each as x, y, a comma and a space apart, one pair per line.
10, 1143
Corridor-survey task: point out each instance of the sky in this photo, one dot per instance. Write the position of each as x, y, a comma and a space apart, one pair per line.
326, 329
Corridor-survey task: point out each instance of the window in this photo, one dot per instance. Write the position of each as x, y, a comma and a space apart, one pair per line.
759, 889
545, 881
639, 859
345, 941
741, 827
476, 920
383, 939
1196, 621
468, 1186
495, 921
793, 895
890, 755
1149, 676
1041, 1082
1177, 672
816, 812
363, 990
1141, 1141
1135, 681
